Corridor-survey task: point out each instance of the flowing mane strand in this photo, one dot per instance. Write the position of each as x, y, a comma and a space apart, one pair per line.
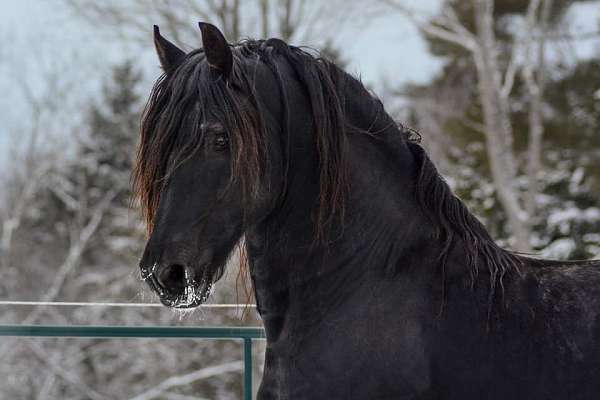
453, 220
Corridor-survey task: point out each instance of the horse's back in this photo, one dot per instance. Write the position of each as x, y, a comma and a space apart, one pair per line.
542, 342
556, 330
566, 328
564, 300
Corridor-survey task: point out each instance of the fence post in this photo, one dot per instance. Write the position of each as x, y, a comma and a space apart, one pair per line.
247, 368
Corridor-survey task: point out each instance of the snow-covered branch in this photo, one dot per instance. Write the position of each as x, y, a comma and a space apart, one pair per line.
76, 249
67, 376
233, 366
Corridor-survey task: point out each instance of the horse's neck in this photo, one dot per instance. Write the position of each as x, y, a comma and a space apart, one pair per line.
384, 230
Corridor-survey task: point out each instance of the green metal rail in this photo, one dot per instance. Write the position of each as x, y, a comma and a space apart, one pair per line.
247, 334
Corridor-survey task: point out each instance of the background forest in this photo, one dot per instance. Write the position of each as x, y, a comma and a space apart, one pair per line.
507, 102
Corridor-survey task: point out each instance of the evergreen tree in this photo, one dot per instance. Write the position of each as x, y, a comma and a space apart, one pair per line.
106, 157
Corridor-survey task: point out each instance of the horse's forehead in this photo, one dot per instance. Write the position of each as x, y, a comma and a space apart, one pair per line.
254, 79
267, 83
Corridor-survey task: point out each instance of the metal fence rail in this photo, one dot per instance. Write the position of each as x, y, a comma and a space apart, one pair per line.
247, 334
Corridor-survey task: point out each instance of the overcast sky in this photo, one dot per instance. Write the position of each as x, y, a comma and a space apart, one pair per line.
36, 36
391, 47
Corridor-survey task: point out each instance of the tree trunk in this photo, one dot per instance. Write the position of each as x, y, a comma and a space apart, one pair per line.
498, 132
535, 86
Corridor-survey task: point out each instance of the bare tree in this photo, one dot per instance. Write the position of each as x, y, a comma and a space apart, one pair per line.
173, 381
495, 82
290, 20
494, 95
534, 75
32, 156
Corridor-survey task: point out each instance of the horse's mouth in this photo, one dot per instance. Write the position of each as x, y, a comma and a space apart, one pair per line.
191, 295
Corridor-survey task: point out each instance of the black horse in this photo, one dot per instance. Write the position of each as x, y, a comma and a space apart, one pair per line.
373, 280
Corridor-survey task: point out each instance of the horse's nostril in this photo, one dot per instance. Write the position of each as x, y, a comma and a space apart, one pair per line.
172, 278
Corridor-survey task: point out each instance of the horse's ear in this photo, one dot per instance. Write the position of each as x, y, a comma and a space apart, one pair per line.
216, 49
170, 56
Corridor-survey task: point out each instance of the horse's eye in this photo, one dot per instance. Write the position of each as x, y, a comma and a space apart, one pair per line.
221, 142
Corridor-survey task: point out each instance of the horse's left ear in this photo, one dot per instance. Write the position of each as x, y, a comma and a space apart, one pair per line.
170, 56
216, 49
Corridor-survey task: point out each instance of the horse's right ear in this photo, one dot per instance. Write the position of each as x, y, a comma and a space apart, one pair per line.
170, 56
216, 49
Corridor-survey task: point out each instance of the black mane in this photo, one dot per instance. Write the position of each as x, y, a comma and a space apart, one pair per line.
454, 221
